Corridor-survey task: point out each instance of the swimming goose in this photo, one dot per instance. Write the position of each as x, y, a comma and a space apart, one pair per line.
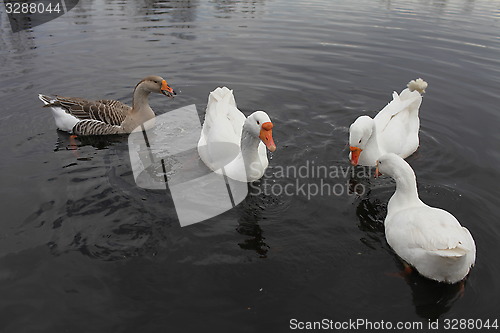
232, 144
393, 130
104, 117
427, 238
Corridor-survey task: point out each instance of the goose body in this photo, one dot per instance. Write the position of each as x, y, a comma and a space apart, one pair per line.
429, 239
393, 130
232, 144
105, 117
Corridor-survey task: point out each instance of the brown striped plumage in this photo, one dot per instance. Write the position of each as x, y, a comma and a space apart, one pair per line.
106, 117
107, 111
96, 127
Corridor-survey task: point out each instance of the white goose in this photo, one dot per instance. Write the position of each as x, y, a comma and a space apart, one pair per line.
429, 239
104, 117
393, 130
232, 144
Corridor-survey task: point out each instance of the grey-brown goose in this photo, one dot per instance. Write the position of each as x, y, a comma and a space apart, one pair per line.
104, 117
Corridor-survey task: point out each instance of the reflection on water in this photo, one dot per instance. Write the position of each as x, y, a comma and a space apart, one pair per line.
432, 299
370, 212
66, 142
250, 213
249, 8
371, 218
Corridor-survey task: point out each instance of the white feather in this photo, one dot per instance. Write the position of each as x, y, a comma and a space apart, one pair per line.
418, 85
393, 130
430, 239
224, 123
64, 121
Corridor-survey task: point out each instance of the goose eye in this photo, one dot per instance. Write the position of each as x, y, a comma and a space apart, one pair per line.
359, 141
258, 122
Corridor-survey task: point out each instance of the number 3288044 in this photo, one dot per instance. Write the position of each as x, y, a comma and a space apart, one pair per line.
470, 324
32, 8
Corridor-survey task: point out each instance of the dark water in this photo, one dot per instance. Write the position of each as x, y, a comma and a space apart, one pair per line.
83, 249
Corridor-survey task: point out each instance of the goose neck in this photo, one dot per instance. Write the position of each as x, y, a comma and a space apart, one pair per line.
140, 100
373, 143
249, 144
406, 186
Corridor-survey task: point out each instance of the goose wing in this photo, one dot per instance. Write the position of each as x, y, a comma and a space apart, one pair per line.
432, 229
107, 111
96, 127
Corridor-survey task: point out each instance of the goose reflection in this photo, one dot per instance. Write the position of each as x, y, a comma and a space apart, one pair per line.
66, 141
431, 299
369, 212
250, 211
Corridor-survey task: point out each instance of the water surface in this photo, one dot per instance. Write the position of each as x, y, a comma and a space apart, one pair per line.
82, 248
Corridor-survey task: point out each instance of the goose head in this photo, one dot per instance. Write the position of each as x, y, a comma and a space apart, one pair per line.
390, 164
259, 125
156, 84
359, 133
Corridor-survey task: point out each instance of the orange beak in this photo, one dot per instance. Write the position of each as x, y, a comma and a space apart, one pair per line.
355, 151
166, 89
266, 135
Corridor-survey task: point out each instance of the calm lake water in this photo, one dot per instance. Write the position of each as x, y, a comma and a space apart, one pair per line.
83, 249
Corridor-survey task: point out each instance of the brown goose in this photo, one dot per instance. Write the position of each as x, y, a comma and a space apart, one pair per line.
104, 117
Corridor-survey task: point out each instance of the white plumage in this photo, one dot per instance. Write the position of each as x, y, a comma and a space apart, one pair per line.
429, 239
393, 130
64, 121
232, 144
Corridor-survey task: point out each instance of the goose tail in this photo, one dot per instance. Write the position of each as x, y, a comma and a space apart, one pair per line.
64, 120
418, 85
46, 99
222, 94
